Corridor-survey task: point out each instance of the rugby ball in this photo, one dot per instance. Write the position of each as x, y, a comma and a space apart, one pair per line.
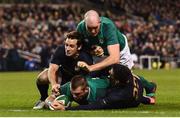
63, 99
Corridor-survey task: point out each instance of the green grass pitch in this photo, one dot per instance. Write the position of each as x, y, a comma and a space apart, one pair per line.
18, 94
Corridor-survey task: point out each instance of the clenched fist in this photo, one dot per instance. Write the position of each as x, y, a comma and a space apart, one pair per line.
83, 65
97, 51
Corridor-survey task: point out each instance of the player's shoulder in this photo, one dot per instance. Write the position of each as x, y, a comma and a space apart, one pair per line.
66, 85
107, 24
81, 24
105, 20
97, 80
60, 48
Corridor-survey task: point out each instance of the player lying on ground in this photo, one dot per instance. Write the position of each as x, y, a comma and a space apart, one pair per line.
83, 89
125, 91
62, 67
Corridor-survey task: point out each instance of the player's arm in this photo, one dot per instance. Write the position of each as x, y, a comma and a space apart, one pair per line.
111, 101
52, 75
56, 60
94, 106
113, 48
113, 58
106, 103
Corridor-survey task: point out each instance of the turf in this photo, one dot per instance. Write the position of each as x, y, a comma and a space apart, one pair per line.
18, 94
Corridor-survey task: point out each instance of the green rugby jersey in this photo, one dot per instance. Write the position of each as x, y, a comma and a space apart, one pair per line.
97, 89
108, 35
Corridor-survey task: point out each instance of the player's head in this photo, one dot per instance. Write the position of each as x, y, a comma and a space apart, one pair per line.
92, 22
73, 43
120, 75
79, 87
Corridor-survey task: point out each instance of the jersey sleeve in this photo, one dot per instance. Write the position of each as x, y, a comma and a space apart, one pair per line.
80, 26
65, 90
57, 57
94, 106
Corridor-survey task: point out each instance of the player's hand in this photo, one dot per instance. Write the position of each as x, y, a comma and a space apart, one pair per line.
83, 65
55, 89
49, 100
97, 51
57, 105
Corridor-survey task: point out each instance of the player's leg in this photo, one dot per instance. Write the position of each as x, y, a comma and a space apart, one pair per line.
144, 99
125, 55
42, 84
127, 60
148, 100
150, 87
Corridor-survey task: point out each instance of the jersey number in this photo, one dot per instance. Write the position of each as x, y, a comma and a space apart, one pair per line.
136, 88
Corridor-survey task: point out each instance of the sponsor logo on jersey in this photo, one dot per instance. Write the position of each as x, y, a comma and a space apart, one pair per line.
86, 40
101, 41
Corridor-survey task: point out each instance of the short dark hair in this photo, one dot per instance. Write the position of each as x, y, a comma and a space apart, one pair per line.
121, 74
78, 80
75, 35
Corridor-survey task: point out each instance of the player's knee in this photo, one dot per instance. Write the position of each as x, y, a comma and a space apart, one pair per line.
42, 81
43, 77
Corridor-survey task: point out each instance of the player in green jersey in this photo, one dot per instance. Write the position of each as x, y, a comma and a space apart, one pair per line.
85, 87
101, 35
83, 90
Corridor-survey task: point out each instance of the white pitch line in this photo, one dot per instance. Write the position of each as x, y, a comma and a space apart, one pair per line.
144, 112
120, 111
18, 110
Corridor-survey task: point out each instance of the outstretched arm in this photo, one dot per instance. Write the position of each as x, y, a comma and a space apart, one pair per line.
93, 106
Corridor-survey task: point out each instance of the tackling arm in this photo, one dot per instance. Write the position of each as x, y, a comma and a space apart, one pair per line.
93, 106
113, 58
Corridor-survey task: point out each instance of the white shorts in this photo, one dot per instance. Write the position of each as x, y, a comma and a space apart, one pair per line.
125, 56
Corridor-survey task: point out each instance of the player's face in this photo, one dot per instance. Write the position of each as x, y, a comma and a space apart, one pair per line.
71, 48
79, 93
93, 28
